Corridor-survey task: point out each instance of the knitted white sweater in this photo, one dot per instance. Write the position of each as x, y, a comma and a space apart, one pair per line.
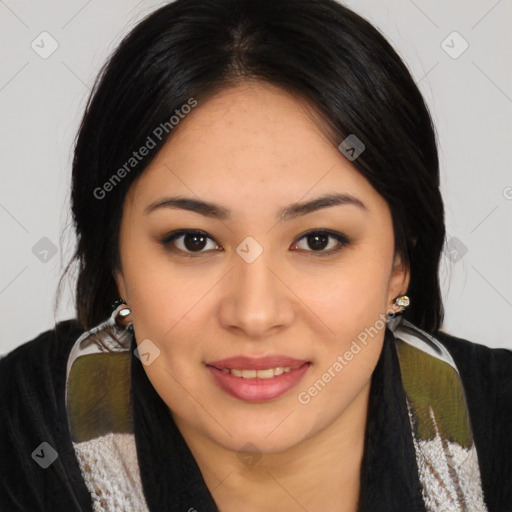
110, 470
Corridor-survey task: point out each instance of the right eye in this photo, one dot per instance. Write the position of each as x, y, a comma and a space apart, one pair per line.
189, 242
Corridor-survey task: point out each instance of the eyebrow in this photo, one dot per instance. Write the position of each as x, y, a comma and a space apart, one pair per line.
220, 212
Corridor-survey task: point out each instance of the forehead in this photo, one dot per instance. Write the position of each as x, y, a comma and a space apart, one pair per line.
255, 118
252, 141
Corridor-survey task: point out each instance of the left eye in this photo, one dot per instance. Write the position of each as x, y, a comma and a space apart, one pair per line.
318, 241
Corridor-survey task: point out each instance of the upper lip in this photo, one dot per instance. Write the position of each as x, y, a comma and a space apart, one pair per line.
257, 363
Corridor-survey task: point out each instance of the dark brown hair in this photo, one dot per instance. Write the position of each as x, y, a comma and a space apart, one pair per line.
317, 49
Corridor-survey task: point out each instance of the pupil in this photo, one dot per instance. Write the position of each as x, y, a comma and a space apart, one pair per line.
318, 242
194, 242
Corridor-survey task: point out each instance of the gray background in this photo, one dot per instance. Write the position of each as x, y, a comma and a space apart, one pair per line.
469, 93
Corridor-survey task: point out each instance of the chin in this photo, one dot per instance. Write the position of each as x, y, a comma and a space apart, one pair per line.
265, 436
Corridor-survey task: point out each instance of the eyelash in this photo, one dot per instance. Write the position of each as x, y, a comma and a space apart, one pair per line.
167, 241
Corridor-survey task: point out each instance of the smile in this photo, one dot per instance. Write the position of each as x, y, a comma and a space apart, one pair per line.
268, 373
259, 385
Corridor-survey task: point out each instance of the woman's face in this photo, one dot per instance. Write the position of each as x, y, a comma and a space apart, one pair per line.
262, 278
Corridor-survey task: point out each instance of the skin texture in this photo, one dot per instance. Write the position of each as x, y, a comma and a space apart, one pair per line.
255, 149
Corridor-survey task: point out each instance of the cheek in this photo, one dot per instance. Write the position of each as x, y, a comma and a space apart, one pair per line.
351, 296
172, 308
354, 307
334, 386
160, 291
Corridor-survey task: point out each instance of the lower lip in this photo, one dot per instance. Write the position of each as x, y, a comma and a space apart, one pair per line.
258, 390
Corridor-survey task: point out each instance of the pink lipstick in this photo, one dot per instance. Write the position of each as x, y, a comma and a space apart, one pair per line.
258, 379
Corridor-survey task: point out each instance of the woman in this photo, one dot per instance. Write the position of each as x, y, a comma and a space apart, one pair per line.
256, 201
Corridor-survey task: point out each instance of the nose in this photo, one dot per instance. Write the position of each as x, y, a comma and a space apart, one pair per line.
257, 301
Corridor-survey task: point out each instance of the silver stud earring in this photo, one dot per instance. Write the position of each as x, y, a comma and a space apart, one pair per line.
123, 311
402, 301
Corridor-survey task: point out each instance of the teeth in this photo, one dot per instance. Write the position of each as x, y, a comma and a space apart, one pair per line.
260, 374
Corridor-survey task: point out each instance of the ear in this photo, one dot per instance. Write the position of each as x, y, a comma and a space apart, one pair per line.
122, 319
398, 281
121, 286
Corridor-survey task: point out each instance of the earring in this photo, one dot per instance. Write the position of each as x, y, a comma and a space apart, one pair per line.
402, 301
121, 310
125, 311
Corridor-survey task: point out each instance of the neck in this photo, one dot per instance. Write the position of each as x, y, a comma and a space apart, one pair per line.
320, 473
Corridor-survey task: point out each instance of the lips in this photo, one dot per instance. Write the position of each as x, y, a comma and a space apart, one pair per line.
250, 379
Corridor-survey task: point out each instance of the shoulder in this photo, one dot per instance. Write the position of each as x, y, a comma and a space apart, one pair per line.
49, 344
479, 364
32, 412
37, 364
486, 374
